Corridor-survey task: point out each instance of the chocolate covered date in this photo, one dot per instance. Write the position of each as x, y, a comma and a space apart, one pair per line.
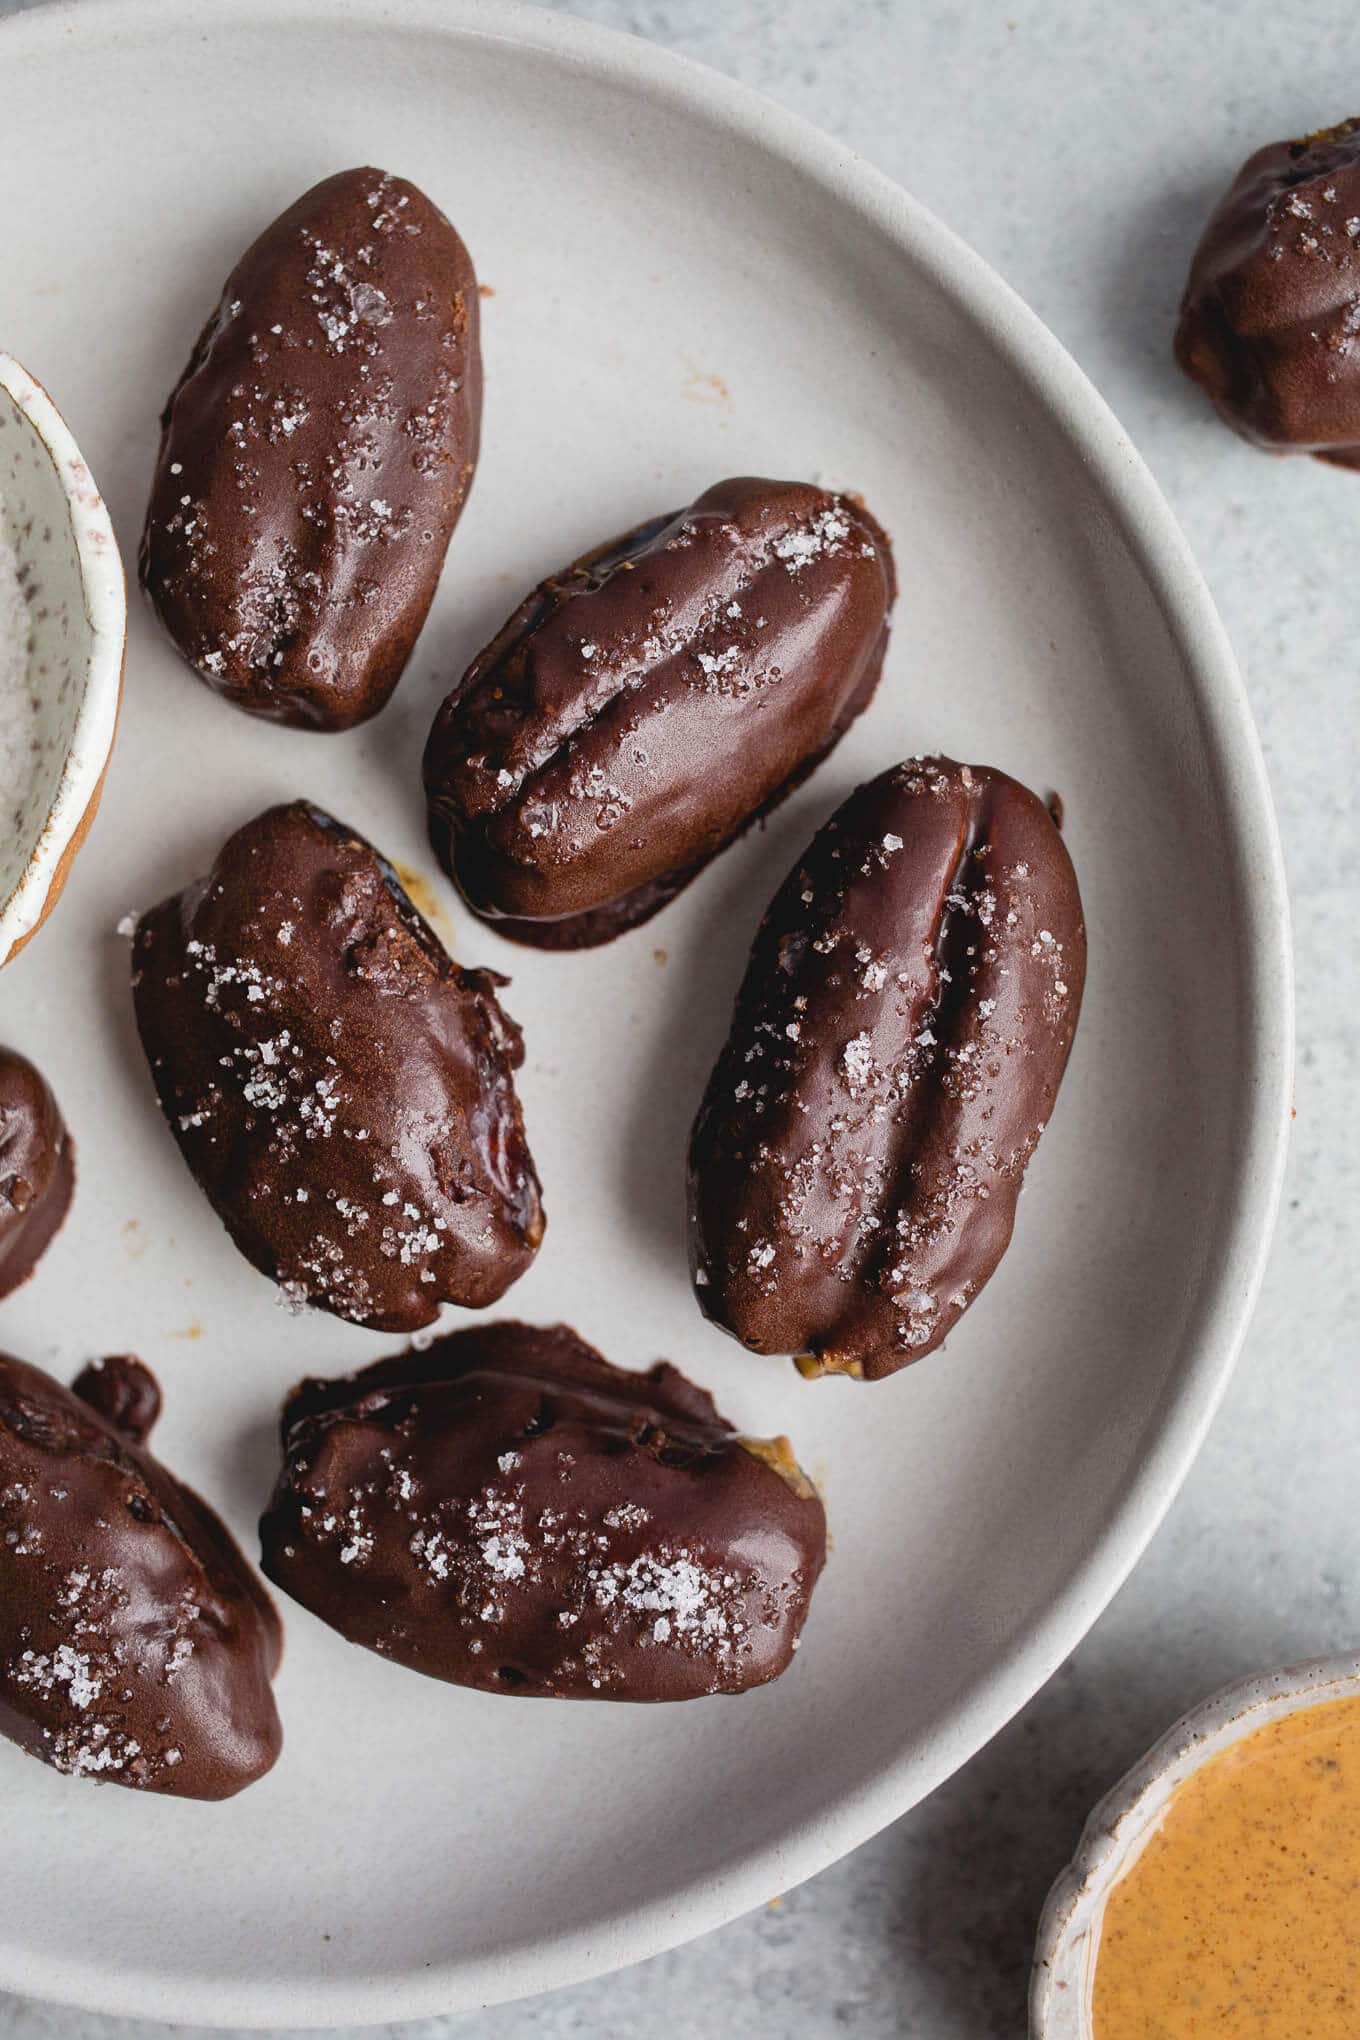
342, 1092
136, 1645
647, 703
1268, 322
896, 1049
316, 453
37, 1169
507, 1510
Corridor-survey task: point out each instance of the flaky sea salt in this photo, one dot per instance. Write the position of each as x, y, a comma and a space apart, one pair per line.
683, 1597
857, 1061
66, 1667
821, 534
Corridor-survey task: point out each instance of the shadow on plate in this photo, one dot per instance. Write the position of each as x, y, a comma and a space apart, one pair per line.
250, 1465
971, 1868
701, 978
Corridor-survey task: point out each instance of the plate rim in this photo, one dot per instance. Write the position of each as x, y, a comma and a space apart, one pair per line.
1230, 1286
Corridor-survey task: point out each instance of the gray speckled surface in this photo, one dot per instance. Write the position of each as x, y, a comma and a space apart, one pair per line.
1077, 143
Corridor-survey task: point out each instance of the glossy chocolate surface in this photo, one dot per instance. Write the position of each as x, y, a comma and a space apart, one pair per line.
37, 1169
507, 1510
644, 706
136, 1644
341, 1090
316, 453
896, 1050
124, 1392
1269, 324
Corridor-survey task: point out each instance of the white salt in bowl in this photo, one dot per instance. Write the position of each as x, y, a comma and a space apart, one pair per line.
63, 625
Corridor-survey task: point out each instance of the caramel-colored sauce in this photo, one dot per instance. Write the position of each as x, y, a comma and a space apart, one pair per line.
1240, 1919
427, 903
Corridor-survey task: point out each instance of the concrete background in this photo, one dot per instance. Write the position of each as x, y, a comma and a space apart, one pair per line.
1077, 145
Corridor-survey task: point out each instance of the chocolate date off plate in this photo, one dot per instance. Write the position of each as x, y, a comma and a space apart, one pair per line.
688, 284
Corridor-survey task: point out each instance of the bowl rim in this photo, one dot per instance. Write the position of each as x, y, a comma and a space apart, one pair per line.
104, 595
1139, 513
1118, 1824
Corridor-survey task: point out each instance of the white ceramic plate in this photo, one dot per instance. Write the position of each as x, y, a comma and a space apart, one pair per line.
688, 283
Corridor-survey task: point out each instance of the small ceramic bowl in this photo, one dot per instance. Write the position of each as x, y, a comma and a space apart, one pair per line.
1126, 1818
63, 625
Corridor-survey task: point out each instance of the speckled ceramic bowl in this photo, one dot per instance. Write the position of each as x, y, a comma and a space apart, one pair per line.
1126, 1819
63, 621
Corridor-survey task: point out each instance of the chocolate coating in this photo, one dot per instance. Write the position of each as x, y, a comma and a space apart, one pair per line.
136, 1644
645, 705
124, 1392
896, 1050
1269, 324
341, 1090
316, 453
37, 1169
506, 1510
